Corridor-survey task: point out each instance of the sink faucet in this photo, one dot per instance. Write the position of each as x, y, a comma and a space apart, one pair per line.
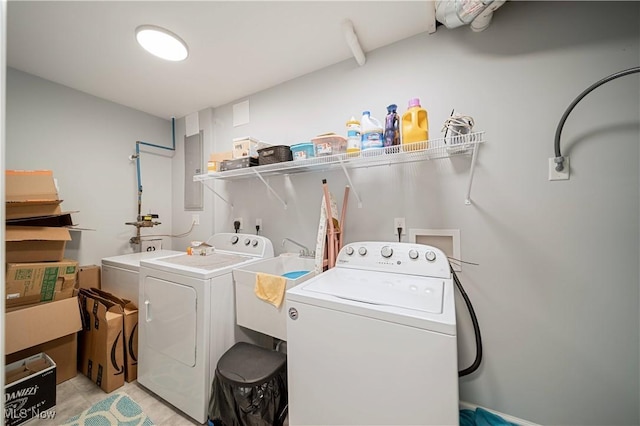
305, 252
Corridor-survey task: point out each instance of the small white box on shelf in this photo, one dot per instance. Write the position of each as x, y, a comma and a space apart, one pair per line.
245, 147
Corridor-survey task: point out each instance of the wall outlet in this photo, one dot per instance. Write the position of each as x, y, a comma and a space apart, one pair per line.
195, 219
556, 175
238, 219
398, 222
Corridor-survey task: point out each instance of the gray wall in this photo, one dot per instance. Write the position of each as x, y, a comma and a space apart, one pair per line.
556, 289
87, 141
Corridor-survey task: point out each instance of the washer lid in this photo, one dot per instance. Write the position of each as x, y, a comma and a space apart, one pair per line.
417, 301
200, 267
131, 261
211, 262
386, 289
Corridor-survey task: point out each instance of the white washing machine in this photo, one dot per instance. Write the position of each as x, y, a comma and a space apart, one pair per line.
373, 340
187, 319
120, 273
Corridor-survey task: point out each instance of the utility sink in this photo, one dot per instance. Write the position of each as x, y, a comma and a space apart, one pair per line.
256, 314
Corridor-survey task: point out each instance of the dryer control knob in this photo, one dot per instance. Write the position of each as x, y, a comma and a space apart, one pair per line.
349, 250
254, 243
362, 251
413, 254
431, 256
386, 251
247, 242
234, 239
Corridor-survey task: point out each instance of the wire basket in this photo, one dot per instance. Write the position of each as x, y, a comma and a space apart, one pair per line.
274, 154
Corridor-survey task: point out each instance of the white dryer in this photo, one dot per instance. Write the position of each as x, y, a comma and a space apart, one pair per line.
187, 319
120, 273
373, 340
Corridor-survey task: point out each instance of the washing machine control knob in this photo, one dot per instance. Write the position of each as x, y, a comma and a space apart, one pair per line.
362, 251
247, 242
254, 243
234, 239
386, 251
349, 250
431, 256
413, 254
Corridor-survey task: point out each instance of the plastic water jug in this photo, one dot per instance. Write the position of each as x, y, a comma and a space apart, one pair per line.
354, 138
415, 127
391, 127
371, 132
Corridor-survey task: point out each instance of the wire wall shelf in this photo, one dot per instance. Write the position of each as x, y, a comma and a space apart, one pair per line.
432, 149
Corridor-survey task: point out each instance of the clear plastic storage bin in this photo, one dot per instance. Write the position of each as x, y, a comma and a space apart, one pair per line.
302, 151
330, 144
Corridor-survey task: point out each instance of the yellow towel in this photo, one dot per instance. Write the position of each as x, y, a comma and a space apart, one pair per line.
270, 288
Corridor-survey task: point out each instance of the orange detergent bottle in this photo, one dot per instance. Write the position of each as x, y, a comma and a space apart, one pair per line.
415, 127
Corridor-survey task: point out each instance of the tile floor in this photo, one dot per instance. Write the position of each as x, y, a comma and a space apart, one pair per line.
76, 395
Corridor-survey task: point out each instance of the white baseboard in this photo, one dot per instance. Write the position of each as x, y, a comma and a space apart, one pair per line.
469, 406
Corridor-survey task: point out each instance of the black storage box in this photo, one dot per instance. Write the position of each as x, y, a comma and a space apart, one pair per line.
238, 163
274, 154
30, 390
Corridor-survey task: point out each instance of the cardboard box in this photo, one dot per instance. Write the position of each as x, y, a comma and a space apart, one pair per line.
35, 243
47, 327
28, 283
29, 209
53, 220
130, 332
30, 389
30, 185
101, 346
216, 158
30, 193
63, 351
89, 276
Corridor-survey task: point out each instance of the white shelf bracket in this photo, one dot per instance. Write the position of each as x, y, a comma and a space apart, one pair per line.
472, 169
230, 204
352, 189
275, 194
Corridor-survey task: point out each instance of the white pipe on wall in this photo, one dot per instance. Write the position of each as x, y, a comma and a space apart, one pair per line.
352, 40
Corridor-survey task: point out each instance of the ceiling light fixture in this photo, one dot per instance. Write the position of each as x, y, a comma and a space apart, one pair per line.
162, 43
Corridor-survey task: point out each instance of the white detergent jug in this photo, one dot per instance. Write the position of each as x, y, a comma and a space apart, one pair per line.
371, 131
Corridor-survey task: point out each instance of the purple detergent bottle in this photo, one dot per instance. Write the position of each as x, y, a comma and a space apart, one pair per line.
392, 126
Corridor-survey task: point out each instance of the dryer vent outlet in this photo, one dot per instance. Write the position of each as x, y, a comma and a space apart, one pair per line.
150, 245
447, 240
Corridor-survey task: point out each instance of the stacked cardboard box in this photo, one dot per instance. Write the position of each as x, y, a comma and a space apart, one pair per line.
35, 222
42, 312
36, 236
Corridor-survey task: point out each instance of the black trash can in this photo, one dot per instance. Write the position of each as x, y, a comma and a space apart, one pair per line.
249, 387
